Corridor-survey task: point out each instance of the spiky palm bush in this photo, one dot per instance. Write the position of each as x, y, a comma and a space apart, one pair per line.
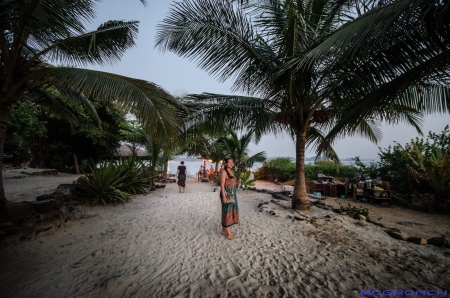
113, 182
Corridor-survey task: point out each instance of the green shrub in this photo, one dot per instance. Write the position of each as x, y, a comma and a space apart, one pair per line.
283, 169
329, 168
246, 181
278, 169
114, 182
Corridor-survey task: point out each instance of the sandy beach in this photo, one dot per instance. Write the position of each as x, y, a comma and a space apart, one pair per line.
169, 244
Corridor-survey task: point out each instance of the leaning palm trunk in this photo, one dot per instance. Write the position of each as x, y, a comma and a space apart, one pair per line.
4, 115
300, 199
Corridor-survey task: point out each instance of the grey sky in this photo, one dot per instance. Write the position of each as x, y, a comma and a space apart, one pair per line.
179, 74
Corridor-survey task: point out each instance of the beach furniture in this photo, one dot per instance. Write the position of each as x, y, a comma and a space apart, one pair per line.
373, 196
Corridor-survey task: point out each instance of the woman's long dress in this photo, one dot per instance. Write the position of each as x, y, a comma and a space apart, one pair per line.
182, 176
230, 212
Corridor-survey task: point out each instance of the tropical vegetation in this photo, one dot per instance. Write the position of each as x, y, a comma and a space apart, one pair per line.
47, 140
43, 43
283, 169
114, 181
318, 70
236, 147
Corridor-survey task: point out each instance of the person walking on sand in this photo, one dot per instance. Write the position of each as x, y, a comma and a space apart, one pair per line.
181, 171
230, 210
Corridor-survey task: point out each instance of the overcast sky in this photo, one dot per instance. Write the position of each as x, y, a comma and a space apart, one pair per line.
177, 74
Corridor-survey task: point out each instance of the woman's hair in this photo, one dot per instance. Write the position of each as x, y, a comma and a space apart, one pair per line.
182, 162
230, 176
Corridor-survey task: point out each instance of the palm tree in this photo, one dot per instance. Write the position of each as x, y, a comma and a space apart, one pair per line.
237, 148
35, 33
308, 66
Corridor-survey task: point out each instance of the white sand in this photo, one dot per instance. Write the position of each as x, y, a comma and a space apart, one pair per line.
27, 188
168, 244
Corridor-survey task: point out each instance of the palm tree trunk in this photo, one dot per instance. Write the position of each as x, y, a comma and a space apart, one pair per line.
75, 161
215, 170
300, 199
4, 115
166, 166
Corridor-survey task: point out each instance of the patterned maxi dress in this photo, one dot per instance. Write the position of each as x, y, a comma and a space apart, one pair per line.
230, 212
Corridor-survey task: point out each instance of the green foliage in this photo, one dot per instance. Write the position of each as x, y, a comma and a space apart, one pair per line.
246, 181
395, 160
430, 163
25, 130
236, 148
283, 169
353, 209
114, 182
52, 141
278, 169
133, 133
329, 168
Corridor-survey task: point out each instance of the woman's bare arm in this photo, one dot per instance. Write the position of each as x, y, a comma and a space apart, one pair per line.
222, 186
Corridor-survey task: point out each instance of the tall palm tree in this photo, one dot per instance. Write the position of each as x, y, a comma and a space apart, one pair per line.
306, 66
35, 33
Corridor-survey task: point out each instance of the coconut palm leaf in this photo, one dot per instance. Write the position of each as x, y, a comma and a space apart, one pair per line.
104, 45
218, 111
219, 37
149, 102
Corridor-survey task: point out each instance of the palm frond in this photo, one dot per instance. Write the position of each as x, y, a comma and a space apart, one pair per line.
220, 38
153, 106
104, 45
218, 111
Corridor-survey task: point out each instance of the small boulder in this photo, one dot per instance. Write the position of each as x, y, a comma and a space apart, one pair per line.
395, 230
64, 211
438, 241
375, 222
398, 235
44, 206
360, 216
28, 228
417, 240
67, 188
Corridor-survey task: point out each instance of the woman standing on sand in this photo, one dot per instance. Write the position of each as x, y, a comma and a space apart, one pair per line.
181, 176
230, 211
